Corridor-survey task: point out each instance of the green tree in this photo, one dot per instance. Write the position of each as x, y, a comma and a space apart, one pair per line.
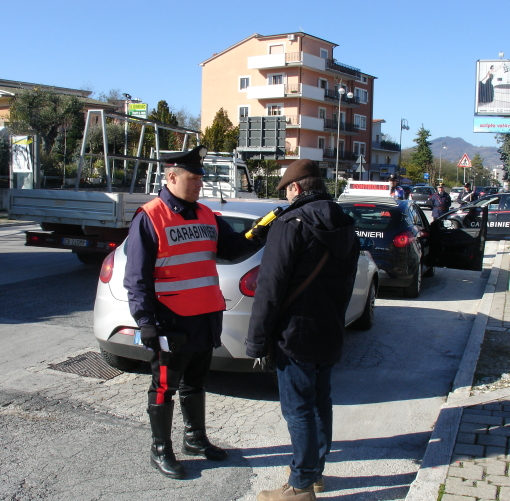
421, 157
221, 135
4, 155
167, 139
480, 174
43, 112
504, 152
112, 97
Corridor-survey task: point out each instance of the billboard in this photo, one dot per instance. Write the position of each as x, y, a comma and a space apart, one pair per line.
140, 110
500, 125
492, 87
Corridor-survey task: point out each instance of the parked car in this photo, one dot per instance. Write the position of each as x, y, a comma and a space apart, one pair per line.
114, 328
455, 191
421, 195
498, 217
406, 246
482, 191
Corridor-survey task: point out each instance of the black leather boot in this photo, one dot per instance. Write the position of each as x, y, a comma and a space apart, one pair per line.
195, 441
162, 454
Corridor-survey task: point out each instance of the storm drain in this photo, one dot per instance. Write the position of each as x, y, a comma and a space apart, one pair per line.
89, 364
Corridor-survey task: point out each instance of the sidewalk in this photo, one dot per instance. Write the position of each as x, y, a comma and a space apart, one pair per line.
467, 457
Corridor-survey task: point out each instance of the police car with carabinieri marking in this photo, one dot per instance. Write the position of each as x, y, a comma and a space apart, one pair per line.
498, 218
406, 247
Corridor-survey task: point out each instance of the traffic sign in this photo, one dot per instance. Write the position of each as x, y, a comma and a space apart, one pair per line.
425, 175
360, 162
464, 161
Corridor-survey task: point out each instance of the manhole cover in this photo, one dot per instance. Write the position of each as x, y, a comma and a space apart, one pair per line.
88, 364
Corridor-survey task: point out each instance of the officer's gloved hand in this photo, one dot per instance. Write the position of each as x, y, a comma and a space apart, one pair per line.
150, 338
259, 232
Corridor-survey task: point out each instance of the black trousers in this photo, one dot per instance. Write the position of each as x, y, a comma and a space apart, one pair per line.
183, 372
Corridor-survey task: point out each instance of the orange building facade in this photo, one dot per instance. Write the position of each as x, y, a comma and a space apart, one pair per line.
295, 75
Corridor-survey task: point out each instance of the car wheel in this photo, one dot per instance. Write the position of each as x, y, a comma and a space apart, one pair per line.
413, 290
120, 363
430, 272
366, 320
91, 257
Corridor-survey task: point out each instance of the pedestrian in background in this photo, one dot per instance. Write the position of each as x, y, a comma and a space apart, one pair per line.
441, 202
304, 286
505, 189
174, 294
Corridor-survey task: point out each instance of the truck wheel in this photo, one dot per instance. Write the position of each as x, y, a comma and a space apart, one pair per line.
366, 320
413, 290
120, 363
91, 257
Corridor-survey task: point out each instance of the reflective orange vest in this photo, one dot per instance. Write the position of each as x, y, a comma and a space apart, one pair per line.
185, 275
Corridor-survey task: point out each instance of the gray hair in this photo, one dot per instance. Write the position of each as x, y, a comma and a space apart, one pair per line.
174, 170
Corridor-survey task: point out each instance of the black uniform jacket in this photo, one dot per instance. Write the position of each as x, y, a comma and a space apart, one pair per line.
311, 328
203, 331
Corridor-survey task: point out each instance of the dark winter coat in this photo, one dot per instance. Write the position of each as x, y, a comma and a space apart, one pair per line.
441, 203
311, 328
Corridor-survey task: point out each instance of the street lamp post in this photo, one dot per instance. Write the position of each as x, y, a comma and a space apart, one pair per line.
341, 92
443, 147
128, 100
403, 125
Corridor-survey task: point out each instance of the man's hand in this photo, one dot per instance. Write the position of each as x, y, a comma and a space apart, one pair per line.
149, 335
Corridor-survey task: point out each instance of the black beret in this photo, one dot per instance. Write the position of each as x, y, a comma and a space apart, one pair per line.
192, 161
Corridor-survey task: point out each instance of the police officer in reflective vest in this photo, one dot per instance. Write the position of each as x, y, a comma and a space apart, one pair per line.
173, 290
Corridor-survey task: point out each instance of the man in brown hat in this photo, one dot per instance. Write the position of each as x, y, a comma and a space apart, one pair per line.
304, 286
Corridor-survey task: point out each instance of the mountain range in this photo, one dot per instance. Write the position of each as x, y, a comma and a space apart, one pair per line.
456, 147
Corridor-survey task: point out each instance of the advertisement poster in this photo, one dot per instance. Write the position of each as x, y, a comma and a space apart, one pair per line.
499, 125
21, 158
492, 87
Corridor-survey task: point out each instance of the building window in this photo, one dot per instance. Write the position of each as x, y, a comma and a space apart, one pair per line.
361, 94
244, 83
322, 143
275, 79
243, 111
274, 109
364, 79
323, 83
324, 53
276, 49
358, 148
322, 113
360, 121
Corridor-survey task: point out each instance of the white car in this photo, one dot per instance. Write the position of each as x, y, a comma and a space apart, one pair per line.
114, 328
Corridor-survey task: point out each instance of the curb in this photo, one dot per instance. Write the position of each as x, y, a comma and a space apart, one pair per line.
436, 461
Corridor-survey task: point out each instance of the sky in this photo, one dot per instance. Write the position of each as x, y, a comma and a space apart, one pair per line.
423, 53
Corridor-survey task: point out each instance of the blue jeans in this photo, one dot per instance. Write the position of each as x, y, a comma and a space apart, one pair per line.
305, 398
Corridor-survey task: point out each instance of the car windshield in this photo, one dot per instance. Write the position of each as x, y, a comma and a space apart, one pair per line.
374, 217
422, 191
487, 201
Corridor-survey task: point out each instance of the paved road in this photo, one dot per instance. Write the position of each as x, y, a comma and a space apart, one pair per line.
67, 436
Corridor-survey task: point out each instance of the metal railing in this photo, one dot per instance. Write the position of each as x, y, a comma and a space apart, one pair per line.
293, 57
292, 119
293, 88
343, 155
344, 126
334, 96
383, 145
334, 65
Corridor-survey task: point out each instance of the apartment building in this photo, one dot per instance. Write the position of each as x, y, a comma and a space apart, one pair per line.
297, 76
385, 154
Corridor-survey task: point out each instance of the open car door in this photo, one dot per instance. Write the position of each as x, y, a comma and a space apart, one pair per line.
457, 239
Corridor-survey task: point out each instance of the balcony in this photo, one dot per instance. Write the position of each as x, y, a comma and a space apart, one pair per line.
304, 122
268, 61
343, 155
333, 95
346, 127
315, 154
385, 145
344, 69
